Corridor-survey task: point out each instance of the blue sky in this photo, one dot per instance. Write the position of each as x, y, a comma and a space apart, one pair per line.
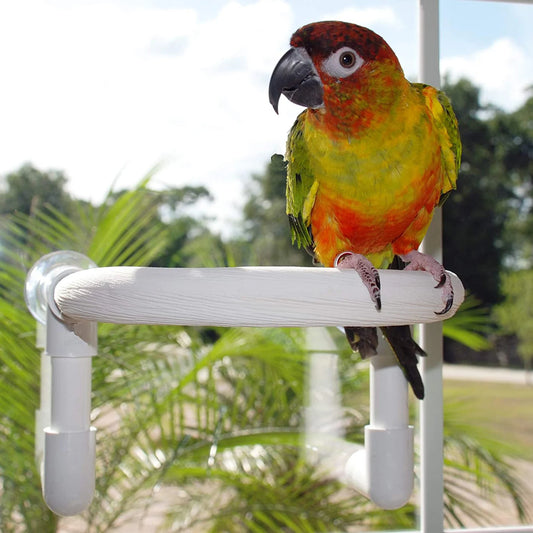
109, 88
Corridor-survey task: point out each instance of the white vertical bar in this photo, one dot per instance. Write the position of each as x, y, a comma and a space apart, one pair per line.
429, 42
71, 393
69, 442
42, 414
431, 408
388, 391
389, 439
324, 414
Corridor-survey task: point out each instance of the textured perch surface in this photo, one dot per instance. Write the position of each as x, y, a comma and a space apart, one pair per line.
249, 296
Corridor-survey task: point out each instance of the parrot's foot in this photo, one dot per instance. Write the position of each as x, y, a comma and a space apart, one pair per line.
366, 270
419, 261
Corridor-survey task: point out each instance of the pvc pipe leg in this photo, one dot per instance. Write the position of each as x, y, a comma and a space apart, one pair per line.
69, 470
384, 469
69, 445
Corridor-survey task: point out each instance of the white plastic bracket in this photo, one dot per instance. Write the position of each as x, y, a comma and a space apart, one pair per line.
68, 474
78, 298
65, 440
384, 469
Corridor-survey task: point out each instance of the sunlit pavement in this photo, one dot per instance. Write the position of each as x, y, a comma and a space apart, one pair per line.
480, 373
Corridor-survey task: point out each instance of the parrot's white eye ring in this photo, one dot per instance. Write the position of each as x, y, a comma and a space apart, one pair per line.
342, 63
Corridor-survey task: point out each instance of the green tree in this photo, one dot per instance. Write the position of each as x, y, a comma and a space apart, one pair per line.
266, 235
513, 140
515, 314
475, 214
29, 189
189, 241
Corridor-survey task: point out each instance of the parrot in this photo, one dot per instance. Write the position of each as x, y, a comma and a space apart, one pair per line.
368, 161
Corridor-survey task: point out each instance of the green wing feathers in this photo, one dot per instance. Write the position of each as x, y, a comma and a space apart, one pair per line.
301, 187
448, 130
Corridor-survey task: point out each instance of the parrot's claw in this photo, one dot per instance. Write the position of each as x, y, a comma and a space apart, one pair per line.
441, 282
419, 261
366, 270
447, 307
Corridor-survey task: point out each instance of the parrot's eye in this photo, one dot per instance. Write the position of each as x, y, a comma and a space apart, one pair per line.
347, 60
342, 63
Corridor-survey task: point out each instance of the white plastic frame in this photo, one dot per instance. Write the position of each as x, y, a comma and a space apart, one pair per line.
253, 296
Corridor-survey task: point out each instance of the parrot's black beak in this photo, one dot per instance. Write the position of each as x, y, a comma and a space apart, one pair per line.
296, 77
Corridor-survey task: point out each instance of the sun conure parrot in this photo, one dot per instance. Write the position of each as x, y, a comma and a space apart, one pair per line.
368, 161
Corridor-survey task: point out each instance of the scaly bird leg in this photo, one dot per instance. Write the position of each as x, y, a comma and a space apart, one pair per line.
420, 261
366, 270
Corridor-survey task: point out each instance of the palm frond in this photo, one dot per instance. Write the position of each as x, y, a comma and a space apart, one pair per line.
477, 468
25, 239
129, 231
470, 326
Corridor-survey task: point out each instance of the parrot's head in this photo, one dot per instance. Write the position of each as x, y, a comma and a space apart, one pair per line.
336, 65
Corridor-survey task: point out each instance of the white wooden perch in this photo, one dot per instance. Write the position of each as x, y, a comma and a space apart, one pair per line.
72, 299
249, 296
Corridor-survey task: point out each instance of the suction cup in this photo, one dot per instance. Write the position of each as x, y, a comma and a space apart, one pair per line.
45, 274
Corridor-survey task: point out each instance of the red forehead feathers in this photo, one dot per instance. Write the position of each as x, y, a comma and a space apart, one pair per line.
321, 38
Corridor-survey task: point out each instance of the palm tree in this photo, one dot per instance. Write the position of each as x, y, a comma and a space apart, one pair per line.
211, 427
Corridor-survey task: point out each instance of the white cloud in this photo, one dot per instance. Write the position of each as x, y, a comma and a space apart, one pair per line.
102, 88
368, 16
76, 81
108, 87
502, 70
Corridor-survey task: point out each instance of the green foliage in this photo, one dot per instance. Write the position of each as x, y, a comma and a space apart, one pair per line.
22, 506
470, 326
514, 150
474, 215
221, 423
515, 314
287, 496
185, 407
29, 190
123, 231
191, 244
476, 457
490, 216
472, 462
266, 233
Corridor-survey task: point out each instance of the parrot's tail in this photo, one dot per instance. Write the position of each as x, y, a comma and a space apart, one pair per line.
365, 341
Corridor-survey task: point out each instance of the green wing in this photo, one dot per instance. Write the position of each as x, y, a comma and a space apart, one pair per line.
448, 130
301, 186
